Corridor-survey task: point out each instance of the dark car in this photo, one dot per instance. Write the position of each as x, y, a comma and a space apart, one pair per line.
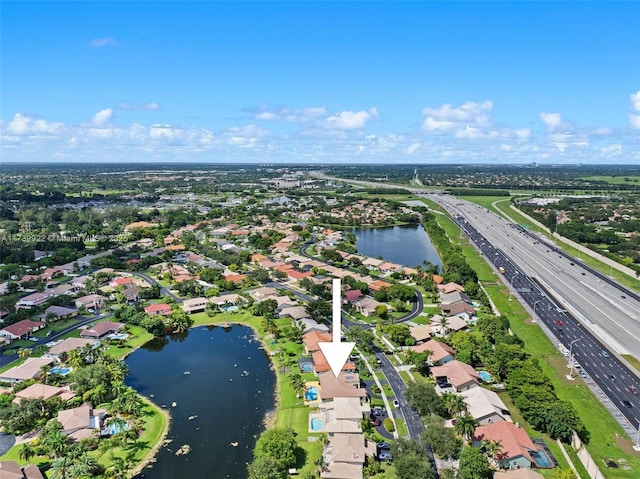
632, 390
384, 446
627, 403
611, 376
560, 330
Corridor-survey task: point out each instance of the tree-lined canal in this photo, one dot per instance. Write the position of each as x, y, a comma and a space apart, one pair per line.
218, 385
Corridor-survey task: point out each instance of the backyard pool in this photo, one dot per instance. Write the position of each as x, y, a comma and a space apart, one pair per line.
60, 370
317, 424
306, 367
311, 394
230, 308
119, 336
486, 377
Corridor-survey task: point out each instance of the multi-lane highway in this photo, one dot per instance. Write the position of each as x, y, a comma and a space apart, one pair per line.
556, 287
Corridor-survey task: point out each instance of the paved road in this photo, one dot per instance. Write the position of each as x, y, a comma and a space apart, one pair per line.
607, 374
163, 290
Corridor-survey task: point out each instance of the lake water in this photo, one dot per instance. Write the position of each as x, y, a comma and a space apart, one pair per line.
405, 245
218, 386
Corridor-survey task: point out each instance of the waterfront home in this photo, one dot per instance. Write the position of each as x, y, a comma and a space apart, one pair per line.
81, 422
516, 445
159, 309
67, 345
30, 369
341, 415
294, 312
194, 305
101, 330
346, 385
309, 325
312, 338
345, 455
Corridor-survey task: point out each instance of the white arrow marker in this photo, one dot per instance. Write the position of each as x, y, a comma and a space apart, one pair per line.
335, 352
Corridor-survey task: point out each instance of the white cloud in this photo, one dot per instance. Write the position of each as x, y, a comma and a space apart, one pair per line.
303, 115
611, 150
104, 42
103, 117
469, 112
160, 131
412, 148
141, 107
551, 120
350, 120
634, 121
635, 101
23, 124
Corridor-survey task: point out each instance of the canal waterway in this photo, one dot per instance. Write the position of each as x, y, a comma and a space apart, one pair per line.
405, 245
218, 386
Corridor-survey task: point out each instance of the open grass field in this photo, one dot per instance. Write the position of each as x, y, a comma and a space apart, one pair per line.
614, 180
607, 438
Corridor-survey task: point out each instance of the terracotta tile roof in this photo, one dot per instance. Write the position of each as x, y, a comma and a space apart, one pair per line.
312, 339
515, 441
438, 350
23, 327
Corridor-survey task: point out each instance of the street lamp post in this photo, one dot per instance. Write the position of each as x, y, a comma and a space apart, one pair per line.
571, 358
511, 284
534, 310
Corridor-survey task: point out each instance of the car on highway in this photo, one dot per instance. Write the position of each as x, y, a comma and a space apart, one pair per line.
627, 403
632, 390
560, 330
396, 404
611, 376
559, 323
583, 375
605, 354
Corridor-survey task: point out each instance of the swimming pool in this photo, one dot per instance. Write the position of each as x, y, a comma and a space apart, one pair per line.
486, 377
230, 308
311, 394
317, 424
306, 367
118, 336
115, 428
60, 370
541, 459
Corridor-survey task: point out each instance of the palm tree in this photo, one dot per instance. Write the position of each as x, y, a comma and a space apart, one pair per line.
455, 404
24, 353
60, 468
466, 426
27, 452
96, 395
442, 322
492, 448
297, 382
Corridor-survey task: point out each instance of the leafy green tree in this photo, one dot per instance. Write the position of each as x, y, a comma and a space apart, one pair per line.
266, 467
442, 439
362, 337
560, 473
411, 460
454, 403
474, 464
266, 308
424, 400
562, 419
319, 310
279, 444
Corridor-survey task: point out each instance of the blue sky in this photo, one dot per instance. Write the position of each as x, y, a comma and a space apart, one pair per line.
348, 82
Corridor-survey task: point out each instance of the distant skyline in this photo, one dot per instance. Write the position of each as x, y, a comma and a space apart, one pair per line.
320, 82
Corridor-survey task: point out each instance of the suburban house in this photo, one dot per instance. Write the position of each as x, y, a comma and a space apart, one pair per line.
194, 305
312, 339
515, 443
440, 353
309, 325
55, 313
263, 293
116, 283
456, 374
21, 329
226, 299
452, 324
421, 333
131, 293
321, 365
346, 385
32, 300
342, 415
351, 296
101, 330
367, 306
517, 474
43, 391
12, 470
67, 345
345, 455
161, 309
485, 406
81, 422
30, 369
453, 309
294, 312
449, 288
456, 296
91, 301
